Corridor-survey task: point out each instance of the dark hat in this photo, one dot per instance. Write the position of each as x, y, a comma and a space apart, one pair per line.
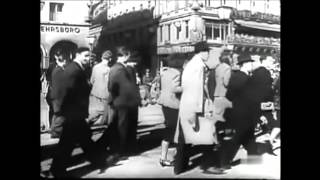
176, 60
106, 55
201, 46
242, 58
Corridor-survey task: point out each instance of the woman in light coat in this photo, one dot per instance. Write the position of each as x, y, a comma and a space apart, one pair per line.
170, 99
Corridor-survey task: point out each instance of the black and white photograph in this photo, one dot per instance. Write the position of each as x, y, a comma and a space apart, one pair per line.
160, 89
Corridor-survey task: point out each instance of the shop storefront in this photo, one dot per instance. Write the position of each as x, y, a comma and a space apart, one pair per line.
137, 31
61, 36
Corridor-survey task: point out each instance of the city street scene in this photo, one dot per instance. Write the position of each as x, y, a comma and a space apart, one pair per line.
160, 89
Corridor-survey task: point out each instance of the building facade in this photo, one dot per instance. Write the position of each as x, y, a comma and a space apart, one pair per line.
161, 27
62, 26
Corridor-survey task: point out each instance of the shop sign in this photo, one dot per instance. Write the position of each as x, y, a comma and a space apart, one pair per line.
59, 29
175, 49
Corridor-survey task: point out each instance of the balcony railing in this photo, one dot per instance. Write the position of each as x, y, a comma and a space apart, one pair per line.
258, 16
253, 40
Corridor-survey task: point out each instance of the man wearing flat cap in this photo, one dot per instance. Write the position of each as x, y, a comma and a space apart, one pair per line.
99, 91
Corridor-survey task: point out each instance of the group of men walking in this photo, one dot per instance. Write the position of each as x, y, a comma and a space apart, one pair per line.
113, 96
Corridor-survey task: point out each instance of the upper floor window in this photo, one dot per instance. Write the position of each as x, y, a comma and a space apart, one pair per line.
55, 10
216, 31
178, 29
169, 31
187, 29
160, 34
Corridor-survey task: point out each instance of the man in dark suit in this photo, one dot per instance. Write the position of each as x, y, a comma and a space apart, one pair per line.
262, 92
261, 83
241, 118
124, 99
49, 71
73, 105
56, 83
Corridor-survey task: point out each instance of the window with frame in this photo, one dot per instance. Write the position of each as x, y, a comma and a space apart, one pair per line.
178, 30
216, 31
209, 30
55, 9
187, 29
160, 34
169, 31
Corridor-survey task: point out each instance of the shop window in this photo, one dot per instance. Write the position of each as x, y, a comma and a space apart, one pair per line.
209, 31
216, 31
55, 10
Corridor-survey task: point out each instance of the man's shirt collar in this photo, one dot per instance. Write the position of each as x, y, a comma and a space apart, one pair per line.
81, 66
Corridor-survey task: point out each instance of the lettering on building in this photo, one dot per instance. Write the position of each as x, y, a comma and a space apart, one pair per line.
175, 49
60, 29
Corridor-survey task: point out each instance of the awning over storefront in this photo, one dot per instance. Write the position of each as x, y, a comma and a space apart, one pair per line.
258, 25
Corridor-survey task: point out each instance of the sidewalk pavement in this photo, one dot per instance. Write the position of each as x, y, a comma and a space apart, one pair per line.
146, 164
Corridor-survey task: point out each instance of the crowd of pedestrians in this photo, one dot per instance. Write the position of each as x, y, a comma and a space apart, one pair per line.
203, 102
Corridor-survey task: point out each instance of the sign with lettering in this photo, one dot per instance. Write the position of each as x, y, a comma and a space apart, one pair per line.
59, 29
175, 49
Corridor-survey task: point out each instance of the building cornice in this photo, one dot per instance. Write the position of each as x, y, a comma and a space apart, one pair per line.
64, 24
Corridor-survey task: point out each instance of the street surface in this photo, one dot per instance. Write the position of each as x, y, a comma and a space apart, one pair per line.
146, 163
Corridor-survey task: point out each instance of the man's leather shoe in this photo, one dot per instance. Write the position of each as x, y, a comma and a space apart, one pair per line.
214, 170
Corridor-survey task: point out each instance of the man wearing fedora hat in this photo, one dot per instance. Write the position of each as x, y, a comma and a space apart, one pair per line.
99, 91
240, 118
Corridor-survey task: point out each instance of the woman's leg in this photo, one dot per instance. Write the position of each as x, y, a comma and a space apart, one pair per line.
164, 149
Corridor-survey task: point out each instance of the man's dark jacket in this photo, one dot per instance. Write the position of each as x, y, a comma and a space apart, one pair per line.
56, 87
239, 94
261, 85
123, 90
75, 93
